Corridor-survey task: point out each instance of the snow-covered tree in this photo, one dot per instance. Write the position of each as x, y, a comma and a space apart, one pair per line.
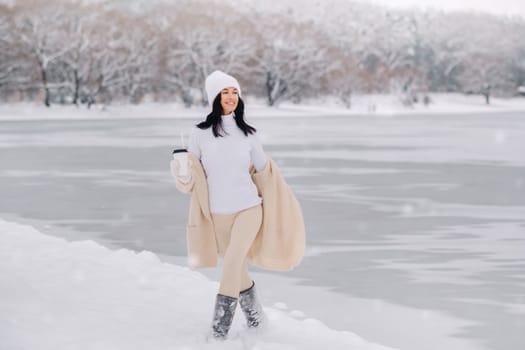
7, 44
39, 28
292, 60
446, 41
198, 44
515, 62
113, 58
81, 25
517, 68
484, 56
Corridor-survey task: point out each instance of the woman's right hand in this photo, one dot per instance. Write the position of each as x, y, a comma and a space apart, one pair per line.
175, 171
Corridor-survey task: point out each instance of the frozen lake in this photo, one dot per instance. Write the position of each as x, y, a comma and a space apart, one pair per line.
423, 214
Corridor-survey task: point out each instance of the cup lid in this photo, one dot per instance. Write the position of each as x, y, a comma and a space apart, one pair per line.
180, 150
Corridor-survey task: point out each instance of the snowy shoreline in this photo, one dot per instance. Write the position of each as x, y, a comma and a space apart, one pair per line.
295, 298
61, 295
362, 105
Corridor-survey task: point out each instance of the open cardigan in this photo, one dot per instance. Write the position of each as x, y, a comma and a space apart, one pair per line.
280, 242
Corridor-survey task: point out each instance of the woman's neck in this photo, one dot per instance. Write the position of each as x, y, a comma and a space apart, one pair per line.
228, 119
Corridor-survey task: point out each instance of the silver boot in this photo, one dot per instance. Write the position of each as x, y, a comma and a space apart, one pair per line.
251, 307
223, 315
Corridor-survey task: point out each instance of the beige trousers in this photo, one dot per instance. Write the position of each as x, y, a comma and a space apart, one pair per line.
235, 234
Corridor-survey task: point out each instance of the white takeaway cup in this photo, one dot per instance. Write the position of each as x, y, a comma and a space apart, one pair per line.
181, 155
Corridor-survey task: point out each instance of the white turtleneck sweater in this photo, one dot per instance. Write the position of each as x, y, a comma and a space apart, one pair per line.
226, 161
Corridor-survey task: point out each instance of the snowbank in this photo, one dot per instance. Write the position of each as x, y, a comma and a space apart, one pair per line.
56, 294
330, 106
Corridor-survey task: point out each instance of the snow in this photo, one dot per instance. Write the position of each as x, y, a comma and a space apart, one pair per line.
57, 294
362, 105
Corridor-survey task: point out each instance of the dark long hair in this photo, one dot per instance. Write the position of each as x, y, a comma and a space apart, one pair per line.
214, 119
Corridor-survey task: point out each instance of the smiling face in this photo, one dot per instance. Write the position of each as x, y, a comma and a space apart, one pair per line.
229, 100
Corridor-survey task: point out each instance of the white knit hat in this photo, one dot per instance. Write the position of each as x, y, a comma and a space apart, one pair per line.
217, 81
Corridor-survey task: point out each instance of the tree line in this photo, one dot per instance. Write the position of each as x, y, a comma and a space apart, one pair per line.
73, 52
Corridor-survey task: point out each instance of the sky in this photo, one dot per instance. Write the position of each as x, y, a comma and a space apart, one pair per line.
498, 7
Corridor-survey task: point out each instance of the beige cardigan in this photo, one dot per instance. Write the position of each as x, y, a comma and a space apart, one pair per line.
280, 242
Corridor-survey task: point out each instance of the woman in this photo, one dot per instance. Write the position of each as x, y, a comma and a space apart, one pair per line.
226, 157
